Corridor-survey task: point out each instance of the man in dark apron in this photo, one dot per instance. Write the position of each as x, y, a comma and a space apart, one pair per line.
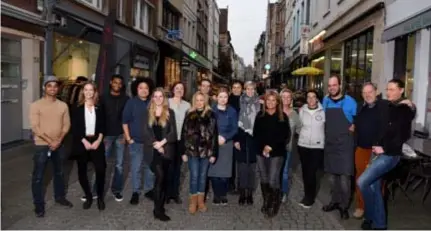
339, 146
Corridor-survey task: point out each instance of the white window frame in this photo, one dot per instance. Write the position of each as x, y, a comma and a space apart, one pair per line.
142, 23
98, 4
120, 10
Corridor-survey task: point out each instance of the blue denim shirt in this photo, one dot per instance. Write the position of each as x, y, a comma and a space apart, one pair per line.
227, 122
133, 115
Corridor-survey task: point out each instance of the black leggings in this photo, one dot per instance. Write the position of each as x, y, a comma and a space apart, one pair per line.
160, 168
99, 162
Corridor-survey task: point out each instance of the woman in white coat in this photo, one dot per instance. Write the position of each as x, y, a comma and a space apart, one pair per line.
310, 145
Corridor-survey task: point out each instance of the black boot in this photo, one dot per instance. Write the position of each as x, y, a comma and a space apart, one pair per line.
249, 196
242, 197
87, 204
265, 194
269, 210
159, 206
276, 201
331, 207
100, 203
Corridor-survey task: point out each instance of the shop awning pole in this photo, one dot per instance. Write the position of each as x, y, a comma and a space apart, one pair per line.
81, 33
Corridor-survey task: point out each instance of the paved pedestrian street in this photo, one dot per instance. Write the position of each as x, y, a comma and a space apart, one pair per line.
122, 215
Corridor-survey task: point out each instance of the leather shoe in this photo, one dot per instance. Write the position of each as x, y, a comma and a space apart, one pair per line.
330, 207
344, 214
100, 204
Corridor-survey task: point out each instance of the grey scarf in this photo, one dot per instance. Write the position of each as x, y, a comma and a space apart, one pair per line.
249, 107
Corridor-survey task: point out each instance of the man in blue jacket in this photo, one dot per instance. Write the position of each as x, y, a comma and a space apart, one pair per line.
133, 123
339, 145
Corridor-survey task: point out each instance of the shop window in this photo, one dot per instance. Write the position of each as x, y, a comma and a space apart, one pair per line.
408, 77
143, 15
358, 57
172, 71
95, 3
77, 59
336, 60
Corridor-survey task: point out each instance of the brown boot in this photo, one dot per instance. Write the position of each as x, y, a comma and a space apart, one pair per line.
201, 202
193, 204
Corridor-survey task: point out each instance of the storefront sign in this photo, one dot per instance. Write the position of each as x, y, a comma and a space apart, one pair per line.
413, 24
174, 35
317, 45
193, 55
141, 62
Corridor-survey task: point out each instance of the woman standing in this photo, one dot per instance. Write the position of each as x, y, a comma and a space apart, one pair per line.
272, 134
200, 144
310, 145
160, 137
295, 125
227, 124
87, 132
246, 159
180, 108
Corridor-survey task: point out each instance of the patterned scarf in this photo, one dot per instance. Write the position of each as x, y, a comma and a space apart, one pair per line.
249, 107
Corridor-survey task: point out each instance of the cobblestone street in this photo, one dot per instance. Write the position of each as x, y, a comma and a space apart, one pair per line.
122, 215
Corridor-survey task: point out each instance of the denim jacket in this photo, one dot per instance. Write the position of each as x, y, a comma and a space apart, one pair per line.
227, 122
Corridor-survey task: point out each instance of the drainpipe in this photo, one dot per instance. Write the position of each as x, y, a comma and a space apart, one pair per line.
49, 36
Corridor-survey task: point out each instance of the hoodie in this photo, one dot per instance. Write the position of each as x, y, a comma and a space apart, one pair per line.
312, 133
113, 106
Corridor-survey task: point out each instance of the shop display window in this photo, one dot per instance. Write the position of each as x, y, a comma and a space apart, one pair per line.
358, 59
172, 71
74, 57
408, 77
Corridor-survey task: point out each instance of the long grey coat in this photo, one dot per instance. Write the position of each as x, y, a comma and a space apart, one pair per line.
223, 166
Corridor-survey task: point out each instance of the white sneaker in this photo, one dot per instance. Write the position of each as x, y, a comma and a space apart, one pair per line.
284, 198
84, 199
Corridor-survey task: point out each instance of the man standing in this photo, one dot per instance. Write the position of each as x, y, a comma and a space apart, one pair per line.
395, 122
339, 145
113, 105
50, 122
235, 103
367, 124
133, 122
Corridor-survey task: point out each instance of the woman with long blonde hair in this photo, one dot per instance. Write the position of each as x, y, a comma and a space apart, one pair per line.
272, 134
160, 136
200, 144
88, 126
295, 125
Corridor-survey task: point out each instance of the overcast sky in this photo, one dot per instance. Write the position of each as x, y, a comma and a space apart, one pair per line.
246, 21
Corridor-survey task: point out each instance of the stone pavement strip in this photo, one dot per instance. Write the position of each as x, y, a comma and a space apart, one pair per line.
122, 215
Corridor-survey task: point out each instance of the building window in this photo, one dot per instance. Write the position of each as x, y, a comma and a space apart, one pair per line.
302, 13
358, 60
143, 16
329, 5
120, 10
404, 61
307, 13
94, 3
170, 20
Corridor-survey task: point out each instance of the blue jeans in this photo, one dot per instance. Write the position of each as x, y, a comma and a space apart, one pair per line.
220, 186
136, 151
198, 168
117, 179
285, 176
40, 159
370, 185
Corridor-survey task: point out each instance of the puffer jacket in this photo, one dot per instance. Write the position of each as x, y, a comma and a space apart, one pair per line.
312, 133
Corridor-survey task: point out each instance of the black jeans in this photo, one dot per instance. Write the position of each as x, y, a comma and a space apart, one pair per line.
174, 174
311, 160
160, 167
270, 169
99, 162
220, 186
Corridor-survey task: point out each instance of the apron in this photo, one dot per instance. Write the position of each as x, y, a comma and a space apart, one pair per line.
223, 165
339, 143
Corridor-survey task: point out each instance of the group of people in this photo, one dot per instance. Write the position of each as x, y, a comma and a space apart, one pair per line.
224, 139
